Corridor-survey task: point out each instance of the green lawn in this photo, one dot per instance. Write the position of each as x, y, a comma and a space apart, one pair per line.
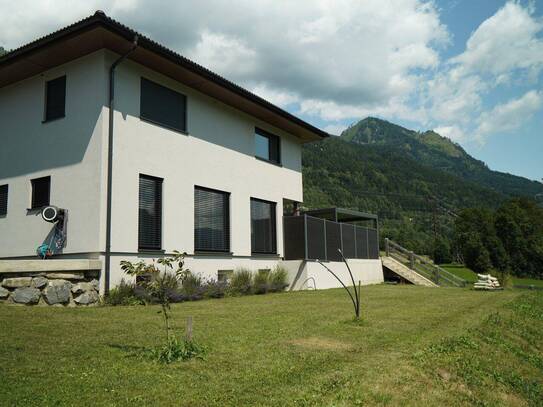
468, 275
417, 346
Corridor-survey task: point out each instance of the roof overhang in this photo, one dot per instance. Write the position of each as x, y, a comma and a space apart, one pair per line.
101, 32
342, 215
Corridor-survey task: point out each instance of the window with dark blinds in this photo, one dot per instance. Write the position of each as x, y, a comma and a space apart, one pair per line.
163, 106
55, 98
41, 190
267, 146
211, 220
150, 213
263, 234
3, 200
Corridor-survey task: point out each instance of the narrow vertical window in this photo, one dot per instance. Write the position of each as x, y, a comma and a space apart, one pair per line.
41, 192
211, 220
263, 227
267, 146
3, 200
150, 213
55, 98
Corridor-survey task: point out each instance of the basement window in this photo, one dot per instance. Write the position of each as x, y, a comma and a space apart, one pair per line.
267, 146
41, 191
3, 200
163, 106
55, 99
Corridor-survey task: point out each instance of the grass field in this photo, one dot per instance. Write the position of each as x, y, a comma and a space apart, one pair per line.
416, 346
468, 275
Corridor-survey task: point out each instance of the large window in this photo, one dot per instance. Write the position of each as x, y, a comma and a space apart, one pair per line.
41, 191
55, 98
211, 220
263, 235
163, 106
150, 213
267, 146
3, 200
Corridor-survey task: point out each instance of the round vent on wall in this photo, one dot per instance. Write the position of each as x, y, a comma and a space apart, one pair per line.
50, 214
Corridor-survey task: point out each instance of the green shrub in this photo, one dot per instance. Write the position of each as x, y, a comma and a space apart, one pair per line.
123, 294
177, 350
241, 282
215, 289
261, 283
278, 279
192, 287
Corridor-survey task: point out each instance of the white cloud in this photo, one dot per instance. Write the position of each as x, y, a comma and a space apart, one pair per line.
510, 115
335, 128
454, 133
504, 42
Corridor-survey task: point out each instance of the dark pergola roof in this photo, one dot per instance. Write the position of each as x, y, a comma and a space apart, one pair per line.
341, 215
100, 31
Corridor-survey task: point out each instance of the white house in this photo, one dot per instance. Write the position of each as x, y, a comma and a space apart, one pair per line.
147, 151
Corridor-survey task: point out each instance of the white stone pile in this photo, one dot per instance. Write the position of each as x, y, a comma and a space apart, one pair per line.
486, 282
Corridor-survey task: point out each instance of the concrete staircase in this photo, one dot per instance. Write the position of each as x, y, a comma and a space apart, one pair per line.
406, 273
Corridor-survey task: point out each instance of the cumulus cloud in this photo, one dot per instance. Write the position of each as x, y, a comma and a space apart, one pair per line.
334, 61
510, 115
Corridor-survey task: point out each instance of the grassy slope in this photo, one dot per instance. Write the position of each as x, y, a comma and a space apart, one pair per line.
282, 349
470, 276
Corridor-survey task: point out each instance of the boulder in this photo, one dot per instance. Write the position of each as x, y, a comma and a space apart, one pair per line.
26, 295
88, 297
39, 282
82, 287
57, 292
16, 282
3, 293
96, 284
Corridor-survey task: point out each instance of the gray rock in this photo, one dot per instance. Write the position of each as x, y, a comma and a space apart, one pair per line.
82, 287
17, 282
26, 295
39, 282
57, 292
96, 284
67, 276
3, 293
88, 297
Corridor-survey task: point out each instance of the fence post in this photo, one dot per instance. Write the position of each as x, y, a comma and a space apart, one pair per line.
412, 260
325, 248
387, 249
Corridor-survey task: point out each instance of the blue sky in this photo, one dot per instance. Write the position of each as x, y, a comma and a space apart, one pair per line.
470, 69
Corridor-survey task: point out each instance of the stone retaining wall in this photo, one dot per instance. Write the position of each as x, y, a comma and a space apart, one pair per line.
50, 288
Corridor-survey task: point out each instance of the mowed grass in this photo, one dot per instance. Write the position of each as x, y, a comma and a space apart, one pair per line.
284, 349
471, 277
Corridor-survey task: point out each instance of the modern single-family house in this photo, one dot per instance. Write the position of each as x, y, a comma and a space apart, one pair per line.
146, 152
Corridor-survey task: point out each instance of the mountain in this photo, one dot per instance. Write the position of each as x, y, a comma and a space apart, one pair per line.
414, 181
439, 153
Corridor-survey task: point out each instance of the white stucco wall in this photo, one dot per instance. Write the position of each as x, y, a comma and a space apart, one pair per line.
310, 274
68, 149
217, 152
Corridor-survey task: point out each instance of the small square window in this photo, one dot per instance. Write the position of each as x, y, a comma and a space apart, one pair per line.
41, 190
267, 146
3, 200
224, 275
55, 98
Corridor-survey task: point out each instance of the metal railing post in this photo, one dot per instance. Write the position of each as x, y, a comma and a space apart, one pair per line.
325, 247
412, 260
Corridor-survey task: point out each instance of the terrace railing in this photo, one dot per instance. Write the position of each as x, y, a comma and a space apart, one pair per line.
310, 238
422, 266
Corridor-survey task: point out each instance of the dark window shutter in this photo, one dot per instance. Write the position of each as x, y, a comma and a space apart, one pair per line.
150, 213
263, 227
163, 106
55, 98
275, 156
3, 200
41, 191
211, 220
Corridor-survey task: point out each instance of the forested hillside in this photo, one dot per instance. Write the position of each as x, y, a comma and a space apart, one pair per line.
415, 182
